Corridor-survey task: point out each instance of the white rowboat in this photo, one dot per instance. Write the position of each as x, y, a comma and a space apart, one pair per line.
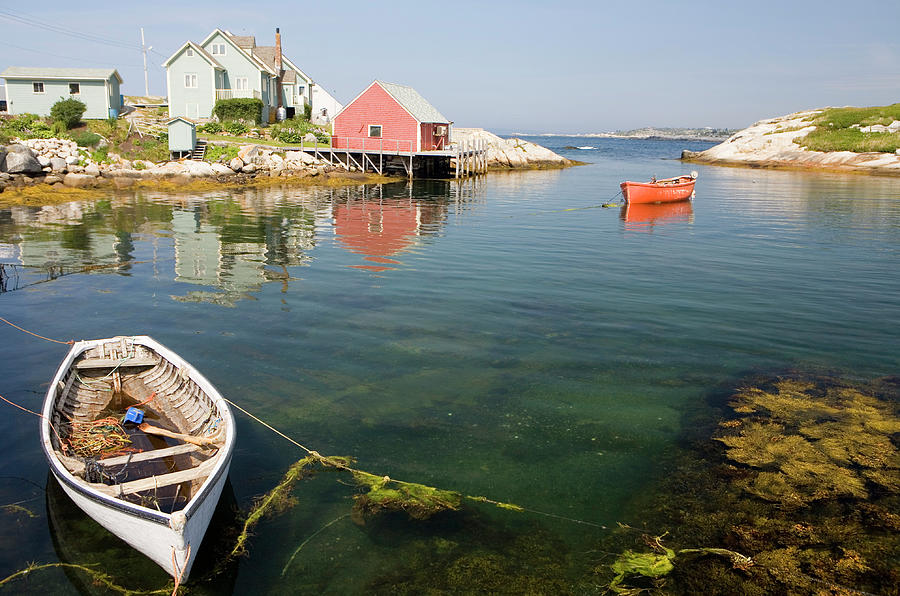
158, 500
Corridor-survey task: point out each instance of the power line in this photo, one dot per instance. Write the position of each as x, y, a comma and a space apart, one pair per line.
67, 31
12, 45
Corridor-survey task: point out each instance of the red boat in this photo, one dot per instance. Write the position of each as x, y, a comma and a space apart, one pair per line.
680, 188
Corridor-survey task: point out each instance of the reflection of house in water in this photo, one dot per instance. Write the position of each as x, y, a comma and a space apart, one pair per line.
47, 242
236, 254
382, 230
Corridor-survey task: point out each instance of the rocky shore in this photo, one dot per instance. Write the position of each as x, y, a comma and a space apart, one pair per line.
61, 163
770, 144
504, 154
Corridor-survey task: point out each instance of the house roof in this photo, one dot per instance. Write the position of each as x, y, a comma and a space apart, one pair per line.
267, 55
289, 77
179, 118
245, 51
245, 41
203, 53
30, 72
410, 100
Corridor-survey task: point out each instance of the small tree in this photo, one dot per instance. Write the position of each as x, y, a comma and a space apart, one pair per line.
68, 111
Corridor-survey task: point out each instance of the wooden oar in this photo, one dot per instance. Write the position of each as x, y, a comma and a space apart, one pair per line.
199, 441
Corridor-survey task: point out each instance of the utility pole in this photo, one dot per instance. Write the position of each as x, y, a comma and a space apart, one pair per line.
145, 49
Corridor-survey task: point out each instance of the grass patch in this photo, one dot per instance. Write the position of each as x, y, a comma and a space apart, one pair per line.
837, 129
850, 139
218, 152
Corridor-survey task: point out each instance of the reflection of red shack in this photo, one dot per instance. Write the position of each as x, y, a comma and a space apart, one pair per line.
378, 230
390, 117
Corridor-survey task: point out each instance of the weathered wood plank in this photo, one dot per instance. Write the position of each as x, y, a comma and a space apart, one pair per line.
89, 363
137, 486
150, 455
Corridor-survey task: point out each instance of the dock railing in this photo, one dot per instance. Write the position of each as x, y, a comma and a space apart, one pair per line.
372, 145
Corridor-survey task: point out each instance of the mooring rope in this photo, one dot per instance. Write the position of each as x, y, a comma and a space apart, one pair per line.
608, 204
70, 342
337, 464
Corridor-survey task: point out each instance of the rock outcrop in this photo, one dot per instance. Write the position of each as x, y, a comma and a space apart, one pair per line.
510, 153
60, 161
770, 143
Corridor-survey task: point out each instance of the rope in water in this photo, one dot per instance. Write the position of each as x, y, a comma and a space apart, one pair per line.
608, 204
71, 341
477, 499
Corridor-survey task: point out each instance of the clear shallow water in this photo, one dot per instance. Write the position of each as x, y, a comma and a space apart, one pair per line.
506, 338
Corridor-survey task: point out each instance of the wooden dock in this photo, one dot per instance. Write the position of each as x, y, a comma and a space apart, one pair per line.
461, 160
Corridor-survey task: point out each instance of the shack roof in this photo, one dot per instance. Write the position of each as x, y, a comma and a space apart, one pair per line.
31, 72
412, 102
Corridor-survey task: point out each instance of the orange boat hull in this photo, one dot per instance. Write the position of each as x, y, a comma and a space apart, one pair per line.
663, 191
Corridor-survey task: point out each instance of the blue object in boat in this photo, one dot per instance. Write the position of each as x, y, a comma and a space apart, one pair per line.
134, 415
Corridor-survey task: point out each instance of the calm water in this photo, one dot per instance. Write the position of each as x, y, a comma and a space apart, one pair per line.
501, 338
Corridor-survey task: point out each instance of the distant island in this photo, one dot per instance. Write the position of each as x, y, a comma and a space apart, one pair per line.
652, 132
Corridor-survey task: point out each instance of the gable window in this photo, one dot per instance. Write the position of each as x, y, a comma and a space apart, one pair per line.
74, 88
241, 83
190, 80
217, 49
375, 131
38, 86
189, 52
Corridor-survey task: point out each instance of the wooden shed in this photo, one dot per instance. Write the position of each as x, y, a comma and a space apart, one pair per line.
182, 136
390, 117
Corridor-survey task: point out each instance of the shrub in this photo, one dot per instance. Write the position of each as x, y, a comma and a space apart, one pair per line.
210, 128
235, 128
247, 109
85, 138
22, 123
41, 130
68, 111
307, 111
217, 152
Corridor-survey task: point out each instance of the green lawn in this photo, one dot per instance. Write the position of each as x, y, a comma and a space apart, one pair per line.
837, 129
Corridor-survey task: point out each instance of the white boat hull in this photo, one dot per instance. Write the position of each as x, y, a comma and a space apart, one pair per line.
170, 540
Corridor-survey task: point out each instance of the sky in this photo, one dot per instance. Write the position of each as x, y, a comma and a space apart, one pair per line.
514, 66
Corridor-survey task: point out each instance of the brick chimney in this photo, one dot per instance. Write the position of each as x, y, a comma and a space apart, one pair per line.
278, 65
279, 68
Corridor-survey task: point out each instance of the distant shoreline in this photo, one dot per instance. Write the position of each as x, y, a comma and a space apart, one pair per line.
646, 134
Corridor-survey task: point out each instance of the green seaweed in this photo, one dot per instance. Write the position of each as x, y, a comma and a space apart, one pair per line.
385, 494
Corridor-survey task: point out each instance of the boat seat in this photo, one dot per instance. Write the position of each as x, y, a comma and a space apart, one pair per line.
114, 362
155, 482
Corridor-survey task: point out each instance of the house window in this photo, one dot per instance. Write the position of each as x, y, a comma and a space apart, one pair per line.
218, 49
241, 83
301, 89
74, 88
190, 52
38, 86
375, 131
190, 81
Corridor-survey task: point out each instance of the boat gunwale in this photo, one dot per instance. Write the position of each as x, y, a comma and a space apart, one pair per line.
63, 474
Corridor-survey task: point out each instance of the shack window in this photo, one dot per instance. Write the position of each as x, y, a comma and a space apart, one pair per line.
190, 81
375, 131
74, 88
38, 86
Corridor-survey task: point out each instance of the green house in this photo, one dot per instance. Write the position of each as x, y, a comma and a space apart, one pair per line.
31, 90
182, 136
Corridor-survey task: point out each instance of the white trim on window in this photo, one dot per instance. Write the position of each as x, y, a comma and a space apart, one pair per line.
241, 83
217, 49
74, 88
189, 52
190, 80
37, 87
380, 130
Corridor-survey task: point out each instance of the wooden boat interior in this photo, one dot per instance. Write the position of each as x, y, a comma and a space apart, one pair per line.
159, 472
